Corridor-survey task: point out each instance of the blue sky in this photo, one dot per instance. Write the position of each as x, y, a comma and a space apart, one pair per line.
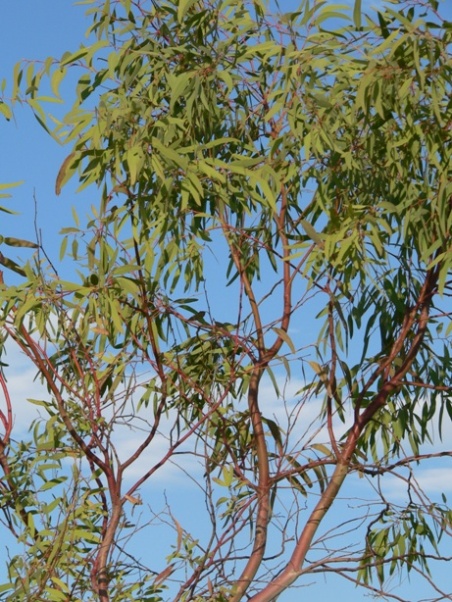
35, 30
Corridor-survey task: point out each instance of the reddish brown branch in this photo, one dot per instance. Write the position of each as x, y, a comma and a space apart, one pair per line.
6, 419
263, 490
38, 356
417, 317
287, 276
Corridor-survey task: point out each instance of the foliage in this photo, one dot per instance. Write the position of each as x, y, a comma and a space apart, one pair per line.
308, 152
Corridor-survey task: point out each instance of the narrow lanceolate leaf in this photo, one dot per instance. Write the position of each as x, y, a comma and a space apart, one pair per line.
18, 242
11, 265
7, 195
311, 232
285, 337
65, 172
357, 10
5, 110
250, 318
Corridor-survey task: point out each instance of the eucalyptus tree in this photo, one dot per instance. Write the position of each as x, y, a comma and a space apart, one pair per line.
272, 204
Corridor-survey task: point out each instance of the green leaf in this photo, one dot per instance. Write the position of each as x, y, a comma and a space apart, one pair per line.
323, 449
5, 110
183, 8
285, 337
19, 242
66, 170
11, 265
6, 186
311, 232
357, 10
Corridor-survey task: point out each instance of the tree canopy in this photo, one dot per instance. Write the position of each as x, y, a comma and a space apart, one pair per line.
272, 204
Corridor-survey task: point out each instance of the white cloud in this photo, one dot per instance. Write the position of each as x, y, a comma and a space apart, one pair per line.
430, 482
435, 480
21, 384
288, 410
